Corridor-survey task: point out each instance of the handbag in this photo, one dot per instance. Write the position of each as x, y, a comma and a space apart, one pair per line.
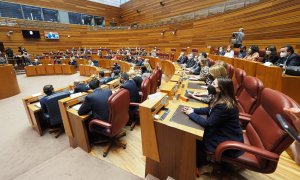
292, 70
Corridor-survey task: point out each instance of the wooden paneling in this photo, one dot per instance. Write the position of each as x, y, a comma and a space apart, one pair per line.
152, 10
271, 22
80, 6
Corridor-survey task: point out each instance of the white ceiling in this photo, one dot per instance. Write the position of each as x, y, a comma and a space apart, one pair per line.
116, 3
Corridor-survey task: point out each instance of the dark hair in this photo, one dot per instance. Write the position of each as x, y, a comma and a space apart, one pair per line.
272, 49
289, 48
101, 73
143, 69
226, 95
254, 48
204, 54
125, 76
243, 47
48, 89
138, 81
94, 84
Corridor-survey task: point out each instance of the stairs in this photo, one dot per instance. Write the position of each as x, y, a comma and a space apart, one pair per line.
75, 164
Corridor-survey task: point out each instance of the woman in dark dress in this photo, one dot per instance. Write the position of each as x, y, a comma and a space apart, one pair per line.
271, 55
222, 122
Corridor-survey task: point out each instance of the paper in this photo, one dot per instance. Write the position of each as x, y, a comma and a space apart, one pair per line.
38, 104
154, 96
76, 107
75, 95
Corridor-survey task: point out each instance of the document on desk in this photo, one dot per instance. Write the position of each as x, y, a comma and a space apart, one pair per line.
76, 107
154, 96
38, 104
180, 118
75, 95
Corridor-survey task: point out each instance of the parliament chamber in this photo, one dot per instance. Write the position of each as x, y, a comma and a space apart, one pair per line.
131, 54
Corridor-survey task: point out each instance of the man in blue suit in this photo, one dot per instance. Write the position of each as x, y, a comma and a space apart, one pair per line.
130, 85
48, 90
80, 86
288, 57
97, 102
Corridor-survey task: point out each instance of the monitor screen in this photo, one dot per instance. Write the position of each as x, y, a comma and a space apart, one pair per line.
51, 35
30, 34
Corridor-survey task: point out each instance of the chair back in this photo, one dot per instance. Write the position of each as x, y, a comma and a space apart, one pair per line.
118, 111
146, 88
159, 75
238, 82
264, 131
153, 82
230, 70
53, 107
250, 94
211, 62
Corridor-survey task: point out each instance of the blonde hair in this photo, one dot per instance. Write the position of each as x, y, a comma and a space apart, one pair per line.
131, 73
222, 63
218, 71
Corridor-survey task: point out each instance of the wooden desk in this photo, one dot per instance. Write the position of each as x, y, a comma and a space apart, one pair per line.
9, 84
169, 147
58, 69
175, 78
30, 71
37, 118
41, 70
49, 69
169, 88
114, 83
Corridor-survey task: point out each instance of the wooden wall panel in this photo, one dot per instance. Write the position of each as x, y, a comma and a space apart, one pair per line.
272, 22
81, 6
153, 11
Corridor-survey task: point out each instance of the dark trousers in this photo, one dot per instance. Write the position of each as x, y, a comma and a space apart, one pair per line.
201, 154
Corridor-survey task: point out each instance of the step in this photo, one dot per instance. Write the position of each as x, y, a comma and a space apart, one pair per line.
76, 164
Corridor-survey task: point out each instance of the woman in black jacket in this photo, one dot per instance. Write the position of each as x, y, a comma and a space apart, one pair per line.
222, 122
271, 55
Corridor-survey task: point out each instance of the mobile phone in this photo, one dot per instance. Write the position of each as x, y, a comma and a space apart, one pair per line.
288, 128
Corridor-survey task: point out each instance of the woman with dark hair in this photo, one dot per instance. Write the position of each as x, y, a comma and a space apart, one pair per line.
222, 122
243, 52
271, 55
253, 53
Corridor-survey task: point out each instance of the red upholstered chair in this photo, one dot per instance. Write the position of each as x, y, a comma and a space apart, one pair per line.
158, 76
145, 88
230, 70
248, 99
118, 117
264, 138
238, 82
153, 82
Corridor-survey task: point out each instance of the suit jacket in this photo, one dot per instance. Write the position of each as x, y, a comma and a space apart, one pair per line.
133, 90
182, 60
44, 107
97, 102
139, 63
293, 60
190, 63
221, 125
81, 88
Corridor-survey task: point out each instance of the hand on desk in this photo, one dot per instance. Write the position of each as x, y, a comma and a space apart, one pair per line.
187, 110
200, 93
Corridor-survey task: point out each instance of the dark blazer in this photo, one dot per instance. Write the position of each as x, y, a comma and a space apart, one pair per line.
190, 63
97, 102
81, 88
133, 90
182, 60
221, 125
293, 60
273, 59
139, 63
44, 107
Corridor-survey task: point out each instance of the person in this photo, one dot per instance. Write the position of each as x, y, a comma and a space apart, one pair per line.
271, 55
197, 67
182, 59
56, 60
97, 102
99, 52
252, 54
35, 62
221, 51
90, 62
138, 61
73, 61
80, 86
138, 81
2, 59
147, 66
237, 38
222, 122
116, 69
102, 79
294, 114
229, 52
48, 90
191, 61
153, 52
243, 52
131, 86
288, 57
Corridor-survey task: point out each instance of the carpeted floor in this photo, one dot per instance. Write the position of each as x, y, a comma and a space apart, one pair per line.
21, 147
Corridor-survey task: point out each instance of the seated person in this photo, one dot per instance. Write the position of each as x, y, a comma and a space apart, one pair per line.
191, 61
243, 52
90, 62
57, 61
139, 61
204, 72
271, 55
221, 51
182, 58
197, 67
288, 57
115, 71
131, 86
138, 81
109, 56
253, 53
35, 62
129, 58
80, 86
102, 79
96, 102
229, 52
48, 90
147, 66
73, 61
294, 114
222, 122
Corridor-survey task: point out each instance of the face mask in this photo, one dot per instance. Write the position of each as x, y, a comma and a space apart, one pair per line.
220, 50
249, 50
211, 90
268, 52
283, 54
228, 50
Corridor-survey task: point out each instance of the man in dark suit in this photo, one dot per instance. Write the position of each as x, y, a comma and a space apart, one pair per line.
80, 86
48, 90
182, 59
131, 86
97, 102
139, 61
288, 57
116, 69
102, 79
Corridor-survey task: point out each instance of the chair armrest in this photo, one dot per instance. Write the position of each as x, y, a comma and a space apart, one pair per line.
244, 117
134, 104
98, 122
246, 148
